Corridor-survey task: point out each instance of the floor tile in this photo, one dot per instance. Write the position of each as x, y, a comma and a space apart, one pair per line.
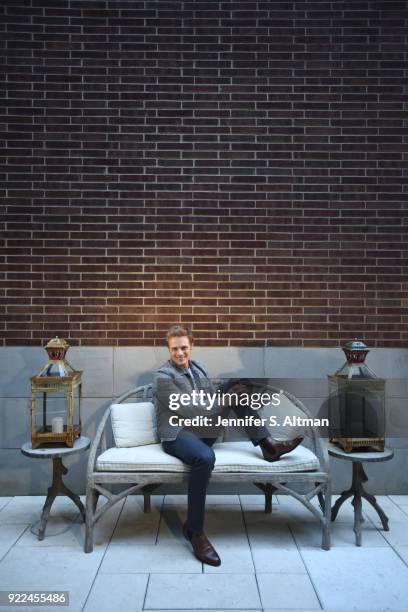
189, 591
393, 512
4, 501
309, 533
9, 535
120, 592
403, 553
67, 528
277, 561
398, 533
270, 529
400, 500
27, 508
374, 579
149, 543
287, 591
161, 558
172, 519
51, 568
225, 528
272, 545
134, 526
294, 510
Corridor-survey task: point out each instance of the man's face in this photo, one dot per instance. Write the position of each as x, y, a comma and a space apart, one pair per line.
180, 350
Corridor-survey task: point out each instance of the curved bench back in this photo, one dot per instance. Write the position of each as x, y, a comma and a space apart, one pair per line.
137, 394
312, 436
145, 393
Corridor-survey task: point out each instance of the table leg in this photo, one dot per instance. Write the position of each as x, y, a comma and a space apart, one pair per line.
371, 500
46, 513
57, 487
358, 516
345, 495
357, 489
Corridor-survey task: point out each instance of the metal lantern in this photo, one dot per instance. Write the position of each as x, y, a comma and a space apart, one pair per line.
56, 399
357, 403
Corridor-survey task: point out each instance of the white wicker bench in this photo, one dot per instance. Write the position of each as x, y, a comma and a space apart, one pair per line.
143, 468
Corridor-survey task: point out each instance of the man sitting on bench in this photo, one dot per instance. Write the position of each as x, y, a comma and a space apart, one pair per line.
181, 376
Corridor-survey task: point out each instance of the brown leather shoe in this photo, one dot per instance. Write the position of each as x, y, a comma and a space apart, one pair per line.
202, 547
273, 450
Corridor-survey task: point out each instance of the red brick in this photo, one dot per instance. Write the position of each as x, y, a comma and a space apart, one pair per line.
266, 212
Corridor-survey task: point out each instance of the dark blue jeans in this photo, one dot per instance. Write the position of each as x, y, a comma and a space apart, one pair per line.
197, 453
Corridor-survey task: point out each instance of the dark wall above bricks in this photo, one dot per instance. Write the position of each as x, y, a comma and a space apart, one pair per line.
237, 166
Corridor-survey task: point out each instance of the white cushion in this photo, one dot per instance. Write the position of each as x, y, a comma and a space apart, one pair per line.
134, 424
230, 457
245, 457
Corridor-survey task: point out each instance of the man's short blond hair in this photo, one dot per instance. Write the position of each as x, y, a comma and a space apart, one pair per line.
179, 331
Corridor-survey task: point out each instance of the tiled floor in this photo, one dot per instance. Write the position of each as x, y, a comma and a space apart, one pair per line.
269, 562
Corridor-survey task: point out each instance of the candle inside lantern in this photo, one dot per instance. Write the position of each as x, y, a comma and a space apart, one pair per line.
57, 425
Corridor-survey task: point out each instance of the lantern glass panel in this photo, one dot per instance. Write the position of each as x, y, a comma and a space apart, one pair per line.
357, 408
48, 406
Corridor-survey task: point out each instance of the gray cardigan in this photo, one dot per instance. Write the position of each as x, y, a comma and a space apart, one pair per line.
171, 379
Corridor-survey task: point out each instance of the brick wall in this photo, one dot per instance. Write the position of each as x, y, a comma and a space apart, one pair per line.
237, 166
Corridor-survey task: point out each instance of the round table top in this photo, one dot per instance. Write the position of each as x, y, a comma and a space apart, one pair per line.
339, 453
51, 452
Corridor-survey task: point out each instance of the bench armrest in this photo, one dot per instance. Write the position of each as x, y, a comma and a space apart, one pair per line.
95, 443
319, 448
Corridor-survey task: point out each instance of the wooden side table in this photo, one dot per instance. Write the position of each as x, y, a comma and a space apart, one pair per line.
357, 488
56, 453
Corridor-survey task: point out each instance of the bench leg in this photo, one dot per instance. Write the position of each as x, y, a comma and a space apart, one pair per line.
147, 491
147, 507
91, 501
327, 517
268, 498
268, 490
